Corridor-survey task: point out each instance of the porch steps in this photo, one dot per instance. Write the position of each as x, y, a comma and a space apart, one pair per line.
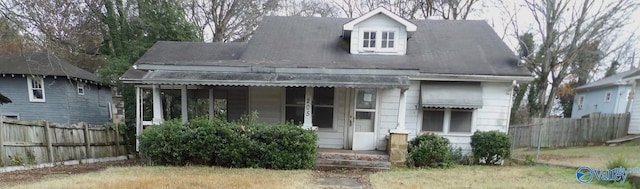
370, 160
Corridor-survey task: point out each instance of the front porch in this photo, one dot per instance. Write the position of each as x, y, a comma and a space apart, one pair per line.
343, 117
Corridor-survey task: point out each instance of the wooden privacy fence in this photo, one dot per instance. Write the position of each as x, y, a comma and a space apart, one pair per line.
35, 142
567, 132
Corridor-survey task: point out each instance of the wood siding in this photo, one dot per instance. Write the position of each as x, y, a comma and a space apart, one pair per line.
387, 115
62, 102
268, 102
594, 101
493, 115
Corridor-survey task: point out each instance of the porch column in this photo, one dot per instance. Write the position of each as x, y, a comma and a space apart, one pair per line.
211, 105
138, 118
402, 109
308, 109
157, 106
185, 112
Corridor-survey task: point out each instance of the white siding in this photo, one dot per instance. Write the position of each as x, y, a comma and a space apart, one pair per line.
387, 115
379, 22
634, 123
495, 110
268, 102
334, 138
492, 116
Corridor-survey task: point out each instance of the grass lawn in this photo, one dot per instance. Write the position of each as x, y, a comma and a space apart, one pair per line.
595, 156
483, 177
178, 177
213, 177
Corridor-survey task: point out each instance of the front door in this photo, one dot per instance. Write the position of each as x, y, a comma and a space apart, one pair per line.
363, 122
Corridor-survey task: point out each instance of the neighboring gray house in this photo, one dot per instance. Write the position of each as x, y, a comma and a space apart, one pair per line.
354, 80
43, 87
610, 95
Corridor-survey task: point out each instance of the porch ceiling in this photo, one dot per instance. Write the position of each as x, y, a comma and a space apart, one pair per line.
163, 77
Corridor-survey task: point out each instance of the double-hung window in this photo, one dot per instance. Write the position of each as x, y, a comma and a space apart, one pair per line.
35, 85
447, 120
322, 106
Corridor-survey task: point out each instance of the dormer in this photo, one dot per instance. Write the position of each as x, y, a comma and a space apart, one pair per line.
378, 32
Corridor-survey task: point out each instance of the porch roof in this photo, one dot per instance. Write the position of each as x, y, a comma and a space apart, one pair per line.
166, 77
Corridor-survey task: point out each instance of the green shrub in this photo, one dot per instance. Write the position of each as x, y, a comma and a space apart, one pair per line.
238, 144
491, 147
430, 150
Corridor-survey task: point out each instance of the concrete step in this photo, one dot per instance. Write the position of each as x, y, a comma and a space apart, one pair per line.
362, 164
353, 156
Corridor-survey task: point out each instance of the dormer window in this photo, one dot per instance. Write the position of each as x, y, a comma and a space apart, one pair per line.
379, 32
386, 40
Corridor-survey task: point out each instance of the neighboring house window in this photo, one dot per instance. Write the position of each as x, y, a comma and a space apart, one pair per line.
80, 88
36, 88
580, 102
607, 96
369, 40
388, 39
447, 120
323, 104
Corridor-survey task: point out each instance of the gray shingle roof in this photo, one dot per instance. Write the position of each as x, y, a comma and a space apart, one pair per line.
438, 47
609, 81
42, 64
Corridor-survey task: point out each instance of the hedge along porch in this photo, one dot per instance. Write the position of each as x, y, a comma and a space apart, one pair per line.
347, 111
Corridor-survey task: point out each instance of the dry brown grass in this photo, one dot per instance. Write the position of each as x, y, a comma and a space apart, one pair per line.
480, 177
596, 156
178, 177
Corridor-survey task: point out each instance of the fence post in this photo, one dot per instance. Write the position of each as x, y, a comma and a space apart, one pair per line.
47, 140
1, 141
87, 141
117, 141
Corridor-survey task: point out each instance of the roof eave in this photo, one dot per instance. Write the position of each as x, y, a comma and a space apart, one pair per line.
410, 27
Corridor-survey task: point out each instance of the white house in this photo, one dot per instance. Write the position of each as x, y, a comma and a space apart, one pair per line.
355, 80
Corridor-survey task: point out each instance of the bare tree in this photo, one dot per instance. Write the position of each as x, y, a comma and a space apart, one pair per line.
64, 28
229, 20
307, 8
567, 31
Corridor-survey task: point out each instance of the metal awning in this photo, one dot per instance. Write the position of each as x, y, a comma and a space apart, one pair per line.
466, 95
271, 79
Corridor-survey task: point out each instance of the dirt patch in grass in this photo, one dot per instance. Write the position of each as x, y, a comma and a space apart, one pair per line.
362, 176
178, 177
26, 176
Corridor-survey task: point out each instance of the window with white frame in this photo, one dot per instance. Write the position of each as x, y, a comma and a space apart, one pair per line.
375, 40
607, 96
80, 88
36, 88
369, 40
580, 102
387, 39
447, 120
322, 105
